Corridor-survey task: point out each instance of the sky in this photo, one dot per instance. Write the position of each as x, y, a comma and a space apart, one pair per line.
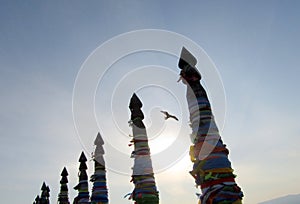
44, 45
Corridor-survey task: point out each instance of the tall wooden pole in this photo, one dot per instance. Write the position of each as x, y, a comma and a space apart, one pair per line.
212, 169
145, 191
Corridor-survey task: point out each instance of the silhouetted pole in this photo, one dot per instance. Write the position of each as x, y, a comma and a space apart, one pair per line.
145, 191
44, 199
99, 191
212, 169
82, 186
63, 195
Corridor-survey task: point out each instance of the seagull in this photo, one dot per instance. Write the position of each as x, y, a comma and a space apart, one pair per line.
168, 115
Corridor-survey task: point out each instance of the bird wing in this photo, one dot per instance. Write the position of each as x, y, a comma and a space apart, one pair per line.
164, 112
172, 116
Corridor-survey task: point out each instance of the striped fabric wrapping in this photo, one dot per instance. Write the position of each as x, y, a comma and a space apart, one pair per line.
212, 169
99, 191
83, 192
145, 191
82, 186
63, 195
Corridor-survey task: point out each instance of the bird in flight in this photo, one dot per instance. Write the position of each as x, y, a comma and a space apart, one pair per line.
167, 115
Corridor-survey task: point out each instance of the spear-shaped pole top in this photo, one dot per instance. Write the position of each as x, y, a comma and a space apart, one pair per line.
64, 172
187, 64
98, 140
186, 58
44, 187
82, 157
135, 102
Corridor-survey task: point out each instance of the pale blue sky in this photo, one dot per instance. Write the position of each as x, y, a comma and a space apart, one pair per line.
254, 44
